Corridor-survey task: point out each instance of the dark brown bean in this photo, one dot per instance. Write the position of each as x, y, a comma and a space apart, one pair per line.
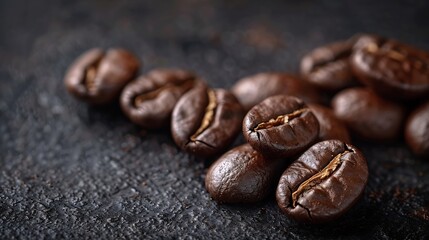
368, 115
393, 69
98, 78
322, 184
330, 126
254, 89
417, 131
280, 126
328, 67
205, 121
243, 175
149, 101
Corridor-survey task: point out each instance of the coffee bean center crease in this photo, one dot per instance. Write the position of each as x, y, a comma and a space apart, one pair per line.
336, 61
208, 116
280, 120
89, 80
141, 98
318, 177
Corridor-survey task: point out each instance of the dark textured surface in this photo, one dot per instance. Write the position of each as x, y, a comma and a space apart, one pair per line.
70, 171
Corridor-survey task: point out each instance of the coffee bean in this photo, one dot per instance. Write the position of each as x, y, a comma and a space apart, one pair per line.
393, 69
280, 126
368, 115
330, 126
205, 121
417, 130
254, 89
243, 175
364, 40
97, 77
328, 67
323, 183
150, 99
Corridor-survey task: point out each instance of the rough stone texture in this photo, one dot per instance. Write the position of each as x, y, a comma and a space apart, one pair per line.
72, 171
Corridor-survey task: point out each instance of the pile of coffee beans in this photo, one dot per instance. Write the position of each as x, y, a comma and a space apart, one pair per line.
297, 145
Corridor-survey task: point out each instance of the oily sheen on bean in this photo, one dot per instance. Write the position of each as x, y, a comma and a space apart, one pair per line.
97, 77
205, 121
368, 115
323, 183
150, 100
328, 67
243, 175
393, 69
417, 131
280, 126
254, 89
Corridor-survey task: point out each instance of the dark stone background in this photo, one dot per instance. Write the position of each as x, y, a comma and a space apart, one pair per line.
71, 171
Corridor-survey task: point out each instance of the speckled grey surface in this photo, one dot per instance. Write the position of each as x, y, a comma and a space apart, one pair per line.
71, 171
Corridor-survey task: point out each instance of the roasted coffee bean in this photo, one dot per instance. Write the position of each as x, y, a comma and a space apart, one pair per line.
280, 126
368, 115
98, 77
364, 40
254, 89
330, 126
328, 67
417, 131
393, 69
205, 121
323, 183
243, 175
150, 99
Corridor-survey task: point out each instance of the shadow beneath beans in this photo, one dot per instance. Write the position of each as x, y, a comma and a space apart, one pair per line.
105, 114
112, 115
244, 207
208, 161
362, 218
